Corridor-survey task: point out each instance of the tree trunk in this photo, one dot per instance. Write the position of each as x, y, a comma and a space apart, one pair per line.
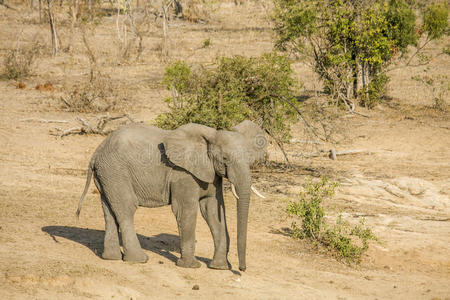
117, 21
165, 47
40, 11
367, 79
359, 78
55, 43
74, 21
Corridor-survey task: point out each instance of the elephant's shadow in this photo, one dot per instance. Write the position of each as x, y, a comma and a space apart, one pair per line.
162, 244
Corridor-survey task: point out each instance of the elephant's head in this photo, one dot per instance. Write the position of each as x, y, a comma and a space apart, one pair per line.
207, 153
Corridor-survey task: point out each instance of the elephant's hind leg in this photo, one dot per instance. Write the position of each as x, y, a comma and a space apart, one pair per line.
213, 211
111, 247
123, 203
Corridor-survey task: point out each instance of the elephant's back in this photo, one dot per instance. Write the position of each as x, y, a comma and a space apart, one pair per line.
133, 154
137, 133
132, 138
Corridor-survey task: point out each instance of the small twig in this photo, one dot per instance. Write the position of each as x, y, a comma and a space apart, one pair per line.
408, 63
427, 40
82, 121
358, 113
346, 152
327, 153
65, 102
294, 140
435, 219
280, 145
313, 154
42, 120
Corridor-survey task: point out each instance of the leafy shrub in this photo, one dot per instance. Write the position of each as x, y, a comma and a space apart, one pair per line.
436, 20
309, 209
351, 43
372, 94
345, 241
234, 89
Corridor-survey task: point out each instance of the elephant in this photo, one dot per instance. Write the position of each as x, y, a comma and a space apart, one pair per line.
142, 165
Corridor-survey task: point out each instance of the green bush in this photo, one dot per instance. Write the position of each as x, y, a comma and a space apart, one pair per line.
352, 42
402, 24
310, 210
372, 94
235, 88
436, 20
343, 240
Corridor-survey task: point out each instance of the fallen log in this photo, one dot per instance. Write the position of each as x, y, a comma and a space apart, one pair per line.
87, 128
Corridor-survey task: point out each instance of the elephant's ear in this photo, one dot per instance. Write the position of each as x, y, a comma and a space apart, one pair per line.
255, 139
187, 147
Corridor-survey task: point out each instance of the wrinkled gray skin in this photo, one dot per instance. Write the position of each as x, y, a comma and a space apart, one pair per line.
141, 165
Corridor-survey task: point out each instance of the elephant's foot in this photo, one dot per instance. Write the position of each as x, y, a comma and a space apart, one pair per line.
135, 256
219, 264
191, 263
112, 254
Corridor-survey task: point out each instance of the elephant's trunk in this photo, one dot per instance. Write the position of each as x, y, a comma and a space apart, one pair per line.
242, 181
242, 219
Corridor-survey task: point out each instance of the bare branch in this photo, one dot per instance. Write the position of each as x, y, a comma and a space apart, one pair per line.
42, 120
87, 128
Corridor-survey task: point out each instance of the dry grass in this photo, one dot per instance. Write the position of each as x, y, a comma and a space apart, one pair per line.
19, 61
99, 95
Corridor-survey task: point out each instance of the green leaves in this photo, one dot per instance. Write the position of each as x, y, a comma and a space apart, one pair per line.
339, 238
352, 42
401, 22
177, 76
436, 20
294, 20
234, 89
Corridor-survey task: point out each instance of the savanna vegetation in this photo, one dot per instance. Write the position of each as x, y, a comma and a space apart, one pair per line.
351, 45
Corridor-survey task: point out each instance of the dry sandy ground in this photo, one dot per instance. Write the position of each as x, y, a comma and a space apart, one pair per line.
400, 186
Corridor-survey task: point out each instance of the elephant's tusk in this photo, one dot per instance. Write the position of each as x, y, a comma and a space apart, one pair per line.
233, 190
254, 190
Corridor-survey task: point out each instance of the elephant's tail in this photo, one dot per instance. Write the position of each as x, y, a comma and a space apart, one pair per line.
86, 188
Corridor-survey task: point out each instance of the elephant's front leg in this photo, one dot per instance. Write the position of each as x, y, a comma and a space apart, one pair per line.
213, 211
185, 206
